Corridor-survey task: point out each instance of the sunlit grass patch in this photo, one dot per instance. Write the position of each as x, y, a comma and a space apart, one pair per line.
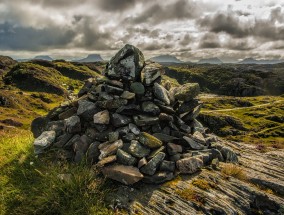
233, 170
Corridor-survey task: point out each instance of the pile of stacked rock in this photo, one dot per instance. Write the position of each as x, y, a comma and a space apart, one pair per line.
131, 126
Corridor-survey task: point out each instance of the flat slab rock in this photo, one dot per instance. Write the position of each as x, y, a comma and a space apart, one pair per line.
227, 196
125, 174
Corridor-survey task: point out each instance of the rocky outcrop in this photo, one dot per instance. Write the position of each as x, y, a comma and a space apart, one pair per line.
130, 126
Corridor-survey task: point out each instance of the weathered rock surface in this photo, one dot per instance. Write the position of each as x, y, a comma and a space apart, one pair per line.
125, 174
44, 141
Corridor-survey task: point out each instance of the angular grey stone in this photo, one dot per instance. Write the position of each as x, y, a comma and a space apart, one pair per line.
93, 153
72, 141
189, 165
125, 174
165, 117
142, 162
113, 136
102, 118
191, 115
57, 126
73, 124
112, 90
62, 140
137, 88
143, 120
198, 137
137, 150
150, 107
79, 156
127, 95
155, 152
158, 178
187, 106
68, 113
86, 109
126, 64
119, 120
44, 141
112, 104
161, 93
193, 144
229, 155
110, 149
164, 137
39, 125
128, 137
106, 160
125, 158
174, 148
187, 92
151, 167
175, 157
168, 166
150, 73
134, 129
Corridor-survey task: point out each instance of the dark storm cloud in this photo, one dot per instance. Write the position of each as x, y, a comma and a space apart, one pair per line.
116, 5
90, 35
209, 41
158, 13
240, 45
186, 40
228, 23
154, 45
28, 38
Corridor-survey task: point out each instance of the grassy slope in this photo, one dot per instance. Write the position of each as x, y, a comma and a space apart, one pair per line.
29, 185
261, 116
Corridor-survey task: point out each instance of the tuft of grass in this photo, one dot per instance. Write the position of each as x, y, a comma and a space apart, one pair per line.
203, 184
31, 185
233, 171
190, 194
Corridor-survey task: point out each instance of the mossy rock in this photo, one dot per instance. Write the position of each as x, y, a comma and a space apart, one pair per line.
149, 140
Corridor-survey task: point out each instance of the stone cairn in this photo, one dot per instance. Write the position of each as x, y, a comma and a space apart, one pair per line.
130, 126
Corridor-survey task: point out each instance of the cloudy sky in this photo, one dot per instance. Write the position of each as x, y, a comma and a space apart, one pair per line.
188, 29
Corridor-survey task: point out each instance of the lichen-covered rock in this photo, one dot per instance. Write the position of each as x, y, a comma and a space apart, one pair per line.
149, 140
161, 93
137, 150
44, 141
125, 174
73, 124
151, 167
137, 88
187, 92
150, 107
102, 117
126, 64
151, 73
125, 158
189, 165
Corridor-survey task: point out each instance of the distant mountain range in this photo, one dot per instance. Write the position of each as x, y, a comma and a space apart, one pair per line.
91, 58
166, 59
214, 60
254, 61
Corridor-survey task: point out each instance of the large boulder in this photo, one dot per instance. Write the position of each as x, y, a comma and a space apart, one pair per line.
126, 64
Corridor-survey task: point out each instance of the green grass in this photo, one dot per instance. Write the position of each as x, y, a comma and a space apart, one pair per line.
261, 118
30, 185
